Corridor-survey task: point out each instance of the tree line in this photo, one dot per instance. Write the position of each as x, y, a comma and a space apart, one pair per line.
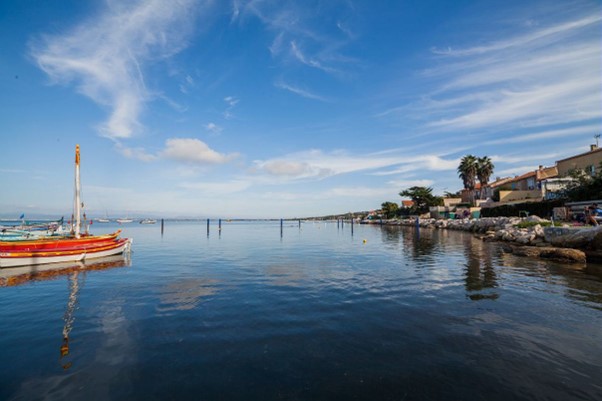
470, 170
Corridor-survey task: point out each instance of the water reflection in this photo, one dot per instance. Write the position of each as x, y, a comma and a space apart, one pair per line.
185, 294
20, 275
419, 242
579, 283
479, 271
69, 317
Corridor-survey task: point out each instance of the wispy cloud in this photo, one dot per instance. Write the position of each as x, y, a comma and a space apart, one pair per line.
231, 102
306, 34
298, 54
316, 164
529, 82
105, 56
213, 128
298, 91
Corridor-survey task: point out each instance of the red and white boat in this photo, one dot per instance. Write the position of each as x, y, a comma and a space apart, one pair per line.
74, 247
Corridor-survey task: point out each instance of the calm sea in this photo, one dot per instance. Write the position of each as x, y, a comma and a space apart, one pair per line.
317, 313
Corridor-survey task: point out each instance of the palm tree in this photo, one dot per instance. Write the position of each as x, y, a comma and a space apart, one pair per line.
484, 170
467, 171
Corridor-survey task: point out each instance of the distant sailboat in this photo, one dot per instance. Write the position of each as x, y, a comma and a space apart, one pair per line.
126, 220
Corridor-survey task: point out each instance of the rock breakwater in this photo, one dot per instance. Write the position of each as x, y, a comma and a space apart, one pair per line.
563, 243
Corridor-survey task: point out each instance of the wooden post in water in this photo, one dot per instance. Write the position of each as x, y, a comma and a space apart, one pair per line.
161, 226
299, 224
352, 226
338, 222
281, 223
219, 225
207, 227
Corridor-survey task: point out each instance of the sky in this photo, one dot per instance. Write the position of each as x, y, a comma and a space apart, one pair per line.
281, 109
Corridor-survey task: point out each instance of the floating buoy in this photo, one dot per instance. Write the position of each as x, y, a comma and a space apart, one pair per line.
365, 241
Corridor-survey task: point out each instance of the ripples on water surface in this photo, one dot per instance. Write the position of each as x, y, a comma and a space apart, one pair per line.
318, 314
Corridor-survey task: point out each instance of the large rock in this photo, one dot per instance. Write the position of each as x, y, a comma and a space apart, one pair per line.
559, 254
583, 238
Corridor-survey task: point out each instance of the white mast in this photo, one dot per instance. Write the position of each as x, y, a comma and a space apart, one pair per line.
77, 205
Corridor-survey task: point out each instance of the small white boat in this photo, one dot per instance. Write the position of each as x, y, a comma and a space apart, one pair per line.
121, 221
148, 221
103, 220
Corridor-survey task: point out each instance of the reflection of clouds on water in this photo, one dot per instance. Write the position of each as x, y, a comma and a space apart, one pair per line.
117, 341
185, 294
285, 274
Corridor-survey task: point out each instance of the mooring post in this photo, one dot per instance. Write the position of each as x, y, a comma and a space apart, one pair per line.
219, 224
418, 223
207, 227
281, 223
161, 226
352, 227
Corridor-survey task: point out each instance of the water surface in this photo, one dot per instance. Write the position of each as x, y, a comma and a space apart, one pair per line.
313, 314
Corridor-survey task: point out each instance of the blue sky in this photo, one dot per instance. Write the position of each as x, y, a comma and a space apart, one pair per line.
285, 108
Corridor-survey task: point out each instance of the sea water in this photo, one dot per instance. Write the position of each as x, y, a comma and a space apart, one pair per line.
316, 311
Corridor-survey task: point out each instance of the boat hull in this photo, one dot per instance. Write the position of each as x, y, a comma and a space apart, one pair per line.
13, 259
57, 242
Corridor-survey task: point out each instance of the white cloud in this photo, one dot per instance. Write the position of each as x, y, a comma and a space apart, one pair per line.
213, 128
422, 163
293, 169
194, 151
135, 153
403, 184
105, 56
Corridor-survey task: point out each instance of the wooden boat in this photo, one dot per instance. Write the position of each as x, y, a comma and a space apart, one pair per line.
55, 242
79, 254
76, 246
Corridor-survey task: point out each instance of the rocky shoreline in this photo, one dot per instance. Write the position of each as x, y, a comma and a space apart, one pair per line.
539, 239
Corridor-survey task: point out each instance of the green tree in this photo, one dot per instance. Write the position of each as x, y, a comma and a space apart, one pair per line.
484, 169
422, 197
389, 209
467, 171
584, 186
